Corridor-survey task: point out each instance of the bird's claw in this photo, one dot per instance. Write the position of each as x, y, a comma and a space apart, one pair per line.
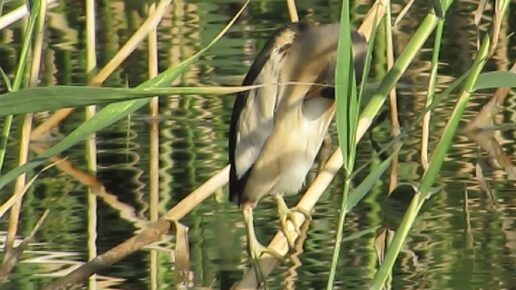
289, 214
256, 250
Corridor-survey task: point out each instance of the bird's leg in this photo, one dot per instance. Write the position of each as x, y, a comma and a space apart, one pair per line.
285, 214
254, 247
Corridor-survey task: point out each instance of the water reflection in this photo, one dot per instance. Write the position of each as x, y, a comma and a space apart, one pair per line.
465, 238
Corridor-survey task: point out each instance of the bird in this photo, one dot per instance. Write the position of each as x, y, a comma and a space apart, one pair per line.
276, 129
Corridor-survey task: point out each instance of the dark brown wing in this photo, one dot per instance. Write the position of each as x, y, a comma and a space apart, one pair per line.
252, 117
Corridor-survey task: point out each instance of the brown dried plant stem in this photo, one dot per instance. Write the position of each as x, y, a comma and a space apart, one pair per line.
395, 130
12, 254
91, 141
163, 225
152, 60
279, 243
95, 186
292, 10
481, 129
19, 13
383, 238
147, 27
152, 234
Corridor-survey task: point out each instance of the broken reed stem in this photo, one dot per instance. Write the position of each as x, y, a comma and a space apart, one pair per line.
151, 234
18, 13
12, 256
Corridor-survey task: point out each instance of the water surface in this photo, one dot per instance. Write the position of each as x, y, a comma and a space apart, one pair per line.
464, 239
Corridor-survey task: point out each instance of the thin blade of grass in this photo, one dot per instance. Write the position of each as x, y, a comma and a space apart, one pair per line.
432, 172
19, 77
432, 83
19, 194
495, 79
49, 98
438, 8
347, 118
6, 80
359, 192
411, 49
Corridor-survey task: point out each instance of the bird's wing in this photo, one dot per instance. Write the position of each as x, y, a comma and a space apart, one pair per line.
253, 111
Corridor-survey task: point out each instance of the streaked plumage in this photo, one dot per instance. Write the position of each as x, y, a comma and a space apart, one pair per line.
276, 130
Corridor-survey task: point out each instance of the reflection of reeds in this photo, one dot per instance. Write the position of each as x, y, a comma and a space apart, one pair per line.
202, 139
34, 31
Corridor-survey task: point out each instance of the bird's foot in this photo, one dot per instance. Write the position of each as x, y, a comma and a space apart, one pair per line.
286, 214
256, 249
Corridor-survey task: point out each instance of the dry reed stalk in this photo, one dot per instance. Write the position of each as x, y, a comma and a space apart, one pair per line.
91, 140
152, 66
395, 124
152, 50
403, 12
12, 256
307, 202
91, 66
292, 10
151, 234
425, 135
20, 186
482, 130
19, 13
95, 186
147, 26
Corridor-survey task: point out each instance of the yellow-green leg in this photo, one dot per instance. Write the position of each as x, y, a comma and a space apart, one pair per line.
254, 247
285, 214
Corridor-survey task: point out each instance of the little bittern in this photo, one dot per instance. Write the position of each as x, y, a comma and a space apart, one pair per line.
277, 130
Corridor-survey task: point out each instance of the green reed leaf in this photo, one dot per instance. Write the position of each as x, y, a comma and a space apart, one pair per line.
495, 79
56, 97
111, 113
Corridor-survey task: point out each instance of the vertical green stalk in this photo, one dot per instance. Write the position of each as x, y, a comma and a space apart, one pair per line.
402, 62
19, 76
347, 119
431, 91
91, 68
91, 145
431, 173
